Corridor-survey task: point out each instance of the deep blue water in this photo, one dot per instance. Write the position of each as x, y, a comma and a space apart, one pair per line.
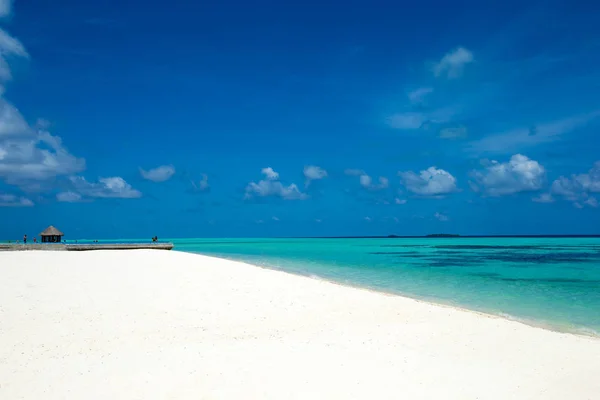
551, 282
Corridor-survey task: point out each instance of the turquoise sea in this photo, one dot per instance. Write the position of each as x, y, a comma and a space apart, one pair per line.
550, 282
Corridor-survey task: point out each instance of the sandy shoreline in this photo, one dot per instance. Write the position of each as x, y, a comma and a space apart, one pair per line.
156, 324
567, 329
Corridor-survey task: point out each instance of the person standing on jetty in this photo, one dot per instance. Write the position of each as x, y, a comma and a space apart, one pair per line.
24, 239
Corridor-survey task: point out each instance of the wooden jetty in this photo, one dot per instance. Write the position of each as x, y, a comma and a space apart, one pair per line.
118, 246
52, 239
84, 246
31, 246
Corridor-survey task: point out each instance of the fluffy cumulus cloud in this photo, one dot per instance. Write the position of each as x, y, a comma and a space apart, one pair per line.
519, 174
453, 63
10, 200
313, 173
367, 182
430, 182
399, 201
569, 188
113, 187
270, 174
158, 174
266, 188
29, 155
272, 187
579, 187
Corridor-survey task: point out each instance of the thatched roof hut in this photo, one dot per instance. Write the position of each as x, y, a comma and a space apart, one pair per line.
51, 235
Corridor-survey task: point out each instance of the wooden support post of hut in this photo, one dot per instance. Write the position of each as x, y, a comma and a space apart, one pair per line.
51, 235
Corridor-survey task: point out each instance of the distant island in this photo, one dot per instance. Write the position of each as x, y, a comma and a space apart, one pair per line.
443, 235
432, 235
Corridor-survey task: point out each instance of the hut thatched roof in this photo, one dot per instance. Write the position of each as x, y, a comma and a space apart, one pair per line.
51, 231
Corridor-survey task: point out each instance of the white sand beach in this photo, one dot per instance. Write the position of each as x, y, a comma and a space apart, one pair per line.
148, 324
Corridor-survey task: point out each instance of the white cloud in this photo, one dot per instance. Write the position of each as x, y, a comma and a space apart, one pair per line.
159, 174
28, 155
430, 182
441, 217
417, 96
9, 47
276, 219
383, 183
113, 187
453, 63
520, 174
399, 201
266, 188
519, 139
368, 219
270, 173
68, 197
577, 187
367, 182
568, 188
543, 198
313, 173
271, 186
10, 200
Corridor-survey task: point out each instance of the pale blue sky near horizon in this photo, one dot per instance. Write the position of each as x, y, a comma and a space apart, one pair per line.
230, 119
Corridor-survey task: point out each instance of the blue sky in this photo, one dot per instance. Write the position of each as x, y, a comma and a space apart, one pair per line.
124, 119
